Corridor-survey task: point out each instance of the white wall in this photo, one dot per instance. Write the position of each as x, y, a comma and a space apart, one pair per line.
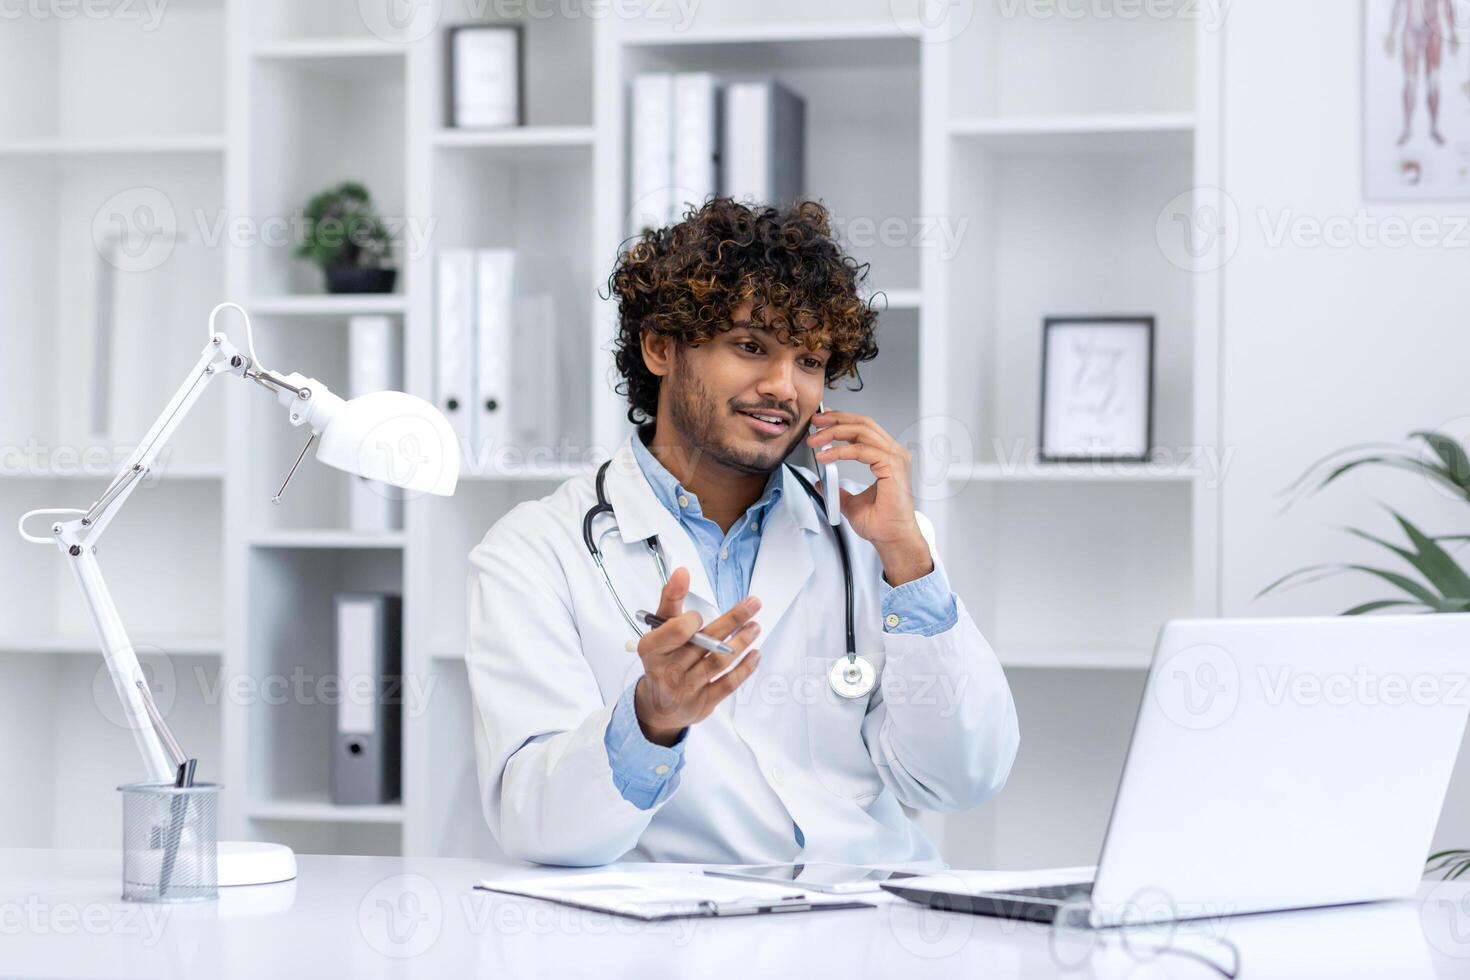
1326, 347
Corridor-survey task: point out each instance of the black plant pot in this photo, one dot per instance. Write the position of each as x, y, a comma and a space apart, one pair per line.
360, 279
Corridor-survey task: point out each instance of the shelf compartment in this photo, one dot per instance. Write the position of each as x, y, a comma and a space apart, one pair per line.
314, 538
144, 64
318, 808
862, 95
84, 471
520, 144
53, 150
61, 227
890, 392
337, 25
1010, 62
773, 46
556, 59
70, 644
162, 558
320, 118
291, 651
1066, 658
536, 205
1095, 216
1032, 471
1095, 133
1108, 554
327, 305
339, 59
316, 509
1054, 811
894, 300
514, 137
449, 818
531, 472
457, 526
66, 713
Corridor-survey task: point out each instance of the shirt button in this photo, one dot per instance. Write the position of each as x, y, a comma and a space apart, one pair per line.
755, 525
891, 620
683, 500
777, 774
660, 768
724, 553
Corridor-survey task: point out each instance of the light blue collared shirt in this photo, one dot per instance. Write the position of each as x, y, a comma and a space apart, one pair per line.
644, 773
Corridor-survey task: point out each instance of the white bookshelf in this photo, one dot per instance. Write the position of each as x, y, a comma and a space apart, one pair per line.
56, 150
1056, 143
104, 109
338, 305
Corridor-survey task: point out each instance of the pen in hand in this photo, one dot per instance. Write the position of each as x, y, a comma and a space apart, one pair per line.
701, 640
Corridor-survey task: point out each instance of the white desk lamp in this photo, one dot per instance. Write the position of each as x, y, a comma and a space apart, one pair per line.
388, 436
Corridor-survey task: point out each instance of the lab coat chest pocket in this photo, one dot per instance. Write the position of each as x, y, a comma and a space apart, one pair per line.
840, 756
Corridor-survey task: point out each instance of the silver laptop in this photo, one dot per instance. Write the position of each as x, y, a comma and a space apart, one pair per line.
1274, 764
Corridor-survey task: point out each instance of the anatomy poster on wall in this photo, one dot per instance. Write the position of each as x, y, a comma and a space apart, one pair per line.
1416, 99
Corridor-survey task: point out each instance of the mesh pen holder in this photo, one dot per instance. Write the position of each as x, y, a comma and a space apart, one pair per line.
170, 838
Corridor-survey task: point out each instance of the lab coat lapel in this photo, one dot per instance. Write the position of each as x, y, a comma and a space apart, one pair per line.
640, 514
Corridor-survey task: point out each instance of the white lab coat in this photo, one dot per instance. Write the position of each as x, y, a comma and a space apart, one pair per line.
547, 662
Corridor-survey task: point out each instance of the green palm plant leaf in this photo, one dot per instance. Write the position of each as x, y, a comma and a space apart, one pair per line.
1452, 454
1434, 563
1376, 605
1440, 860
1450, 467
1403, 553
1420, 593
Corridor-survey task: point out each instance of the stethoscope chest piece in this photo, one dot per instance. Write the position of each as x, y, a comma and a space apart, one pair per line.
852, 677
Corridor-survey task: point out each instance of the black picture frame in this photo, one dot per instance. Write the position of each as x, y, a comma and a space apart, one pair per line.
1049, 324
447, 76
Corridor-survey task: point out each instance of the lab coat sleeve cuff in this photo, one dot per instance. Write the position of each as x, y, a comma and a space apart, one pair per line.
644, 773
925, 606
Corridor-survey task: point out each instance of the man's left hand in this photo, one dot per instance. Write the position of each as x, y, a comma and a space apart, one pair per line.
883, 514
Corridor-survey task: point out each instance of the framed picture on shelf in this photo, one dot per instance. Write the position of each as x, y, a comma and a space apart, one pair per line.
485, 81
1097, 388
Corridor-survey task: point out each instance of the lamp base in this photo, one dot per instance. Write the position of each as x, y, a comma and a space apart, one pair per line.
252, 863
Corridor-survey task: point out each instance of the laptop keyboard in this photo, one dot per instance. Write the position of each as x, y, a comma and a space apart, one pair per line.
1053, 893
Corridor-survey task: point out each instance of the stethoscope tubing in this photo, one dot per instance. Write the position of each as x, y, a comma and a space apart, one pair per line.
602, 506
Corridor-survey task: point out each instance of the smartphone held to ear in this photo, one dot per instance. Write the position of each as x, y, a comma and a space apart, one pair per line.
831, 487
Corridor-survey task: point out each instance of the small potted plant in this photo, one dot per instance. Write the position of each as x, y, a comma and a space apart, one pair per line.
346, 237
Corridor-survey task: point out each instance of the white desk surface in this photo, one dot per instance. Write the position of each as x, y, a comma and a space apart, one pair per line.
61, 915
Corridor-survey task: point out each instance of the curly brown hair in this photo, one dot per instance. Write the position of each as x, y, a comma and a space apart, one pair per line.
683, 281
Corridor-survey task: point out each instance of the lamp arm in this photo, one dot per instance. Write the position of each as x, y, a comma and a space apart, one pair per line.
309, 403
214, 360
77, 540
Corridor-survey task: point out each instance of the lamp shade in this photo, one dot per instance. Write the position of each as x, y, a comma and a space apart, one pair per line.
393, 437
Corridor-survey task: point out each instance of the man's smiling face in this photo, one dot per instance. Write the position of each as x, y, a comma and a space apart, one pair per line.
743, 398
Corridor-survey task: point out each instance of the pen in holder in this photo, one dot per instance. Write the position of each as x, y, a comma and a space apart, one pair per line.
153, 846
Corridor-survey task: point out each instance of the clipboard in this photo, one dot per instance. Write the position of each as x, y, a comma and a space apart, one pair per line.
656, 895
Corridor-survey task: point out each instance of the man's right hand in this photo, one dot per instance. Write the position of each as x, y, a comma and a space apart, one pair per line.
675, 690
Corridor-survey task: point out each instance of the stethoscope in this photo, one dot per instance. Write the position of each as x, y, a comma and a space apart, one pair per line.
851, 676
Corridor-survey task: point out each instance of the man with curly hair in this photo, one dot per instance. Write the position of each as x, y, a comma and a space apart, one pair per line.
732, 324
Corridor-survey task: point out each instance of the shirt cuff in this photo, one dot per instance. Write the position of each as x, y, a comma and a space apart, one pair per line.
644, 773
925, 606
